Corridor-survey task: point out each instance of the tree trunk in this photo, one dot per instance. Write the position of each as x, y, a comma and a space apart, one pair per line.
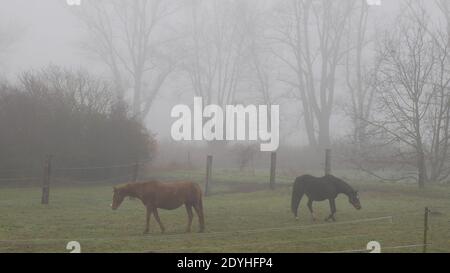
421, 167
137, 97
324, 131
310, 130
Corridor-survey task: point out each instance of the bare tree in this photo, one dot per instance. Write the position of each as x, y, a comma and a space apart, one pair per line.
359, 73
216, 49
444, 7
70, 114
127, 36
408, 60
439, 116
264, 66
78, 89
311, 32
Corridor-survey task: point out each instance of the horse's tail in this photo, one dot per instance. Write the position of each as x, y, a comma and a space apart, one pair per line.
297, 194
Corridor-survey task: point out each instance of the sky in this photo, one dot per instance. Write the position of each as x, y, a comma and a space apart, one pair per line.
48, 34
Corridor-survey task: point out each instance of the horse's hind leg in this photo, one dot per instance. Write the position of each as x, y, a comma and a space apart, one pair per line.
333, 210
147, 222
199, 210
190, 216
155, 212
310, 202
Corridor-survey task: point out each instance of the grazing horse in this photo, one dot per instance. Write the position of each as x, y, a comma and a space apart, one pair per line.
320, 189
157, 195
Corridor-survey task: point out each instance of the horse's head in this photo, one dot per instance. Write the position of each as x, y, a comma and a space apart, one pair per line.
353, 198
117, 198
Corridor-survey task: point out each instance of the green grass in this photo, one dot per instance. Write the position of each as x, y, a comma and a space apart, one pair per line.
236, 222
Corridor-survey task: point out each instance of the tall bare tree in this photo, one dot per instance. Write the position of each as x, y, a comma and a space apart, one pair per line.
409, 59
130, 39
216, 49
444, 7
312, 34
264, 66
359, 72
439, 116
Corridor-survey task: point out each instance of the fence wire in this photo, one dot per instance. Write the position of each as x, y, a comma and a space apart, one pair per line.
208, 234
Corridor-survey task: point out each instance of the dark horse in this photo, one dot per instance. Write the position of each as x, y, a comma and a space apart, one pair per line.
320, 189
169, 196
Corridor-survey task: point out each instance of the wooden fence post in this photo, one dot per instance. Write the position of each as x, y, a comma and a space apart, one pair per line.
209, 160
189, 163
327, 161
46, 181
135, 172
273, 167
425, 230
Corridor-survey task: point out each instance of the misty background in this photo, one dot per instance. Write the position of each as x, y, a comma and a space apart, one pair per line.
369, 82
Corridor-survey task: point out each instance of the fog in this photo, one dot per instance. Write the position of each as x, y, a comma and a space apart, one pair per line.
49, 33
229, 52
229, 112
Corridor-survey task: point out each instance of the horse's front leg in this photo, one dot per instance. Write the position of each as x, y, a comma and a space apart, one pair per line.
190, 216
333, 210
155, 212
310, 202
147, 222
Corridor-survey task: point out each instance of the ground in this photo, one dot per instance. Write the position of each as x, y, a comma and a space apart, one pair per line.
255, 220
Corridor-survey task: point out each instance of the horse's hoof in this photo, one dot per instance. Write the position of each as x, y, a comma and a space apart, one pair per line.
296, 219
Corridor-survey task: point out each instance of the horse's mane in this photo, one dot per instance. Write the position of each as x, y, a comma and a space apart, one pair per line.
344, 185
133, 185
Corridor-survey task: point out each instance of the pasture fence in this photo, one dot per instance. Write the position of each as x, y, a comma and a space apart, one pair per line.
134, 168
273, 168
215, 234
132, 175
368, 250
209, 184
425, 229
46, 181
185, 240
209, 160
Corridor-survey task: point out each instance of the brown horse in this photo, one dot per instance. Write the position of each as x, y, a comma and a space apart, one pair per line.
157, 195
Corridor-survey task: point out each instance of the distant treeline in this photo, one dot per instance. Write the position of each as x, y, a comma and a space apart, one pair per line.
70, 115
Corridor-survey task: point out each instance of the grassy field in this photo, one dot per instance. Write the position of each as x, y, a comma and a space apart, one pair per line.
255, 220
